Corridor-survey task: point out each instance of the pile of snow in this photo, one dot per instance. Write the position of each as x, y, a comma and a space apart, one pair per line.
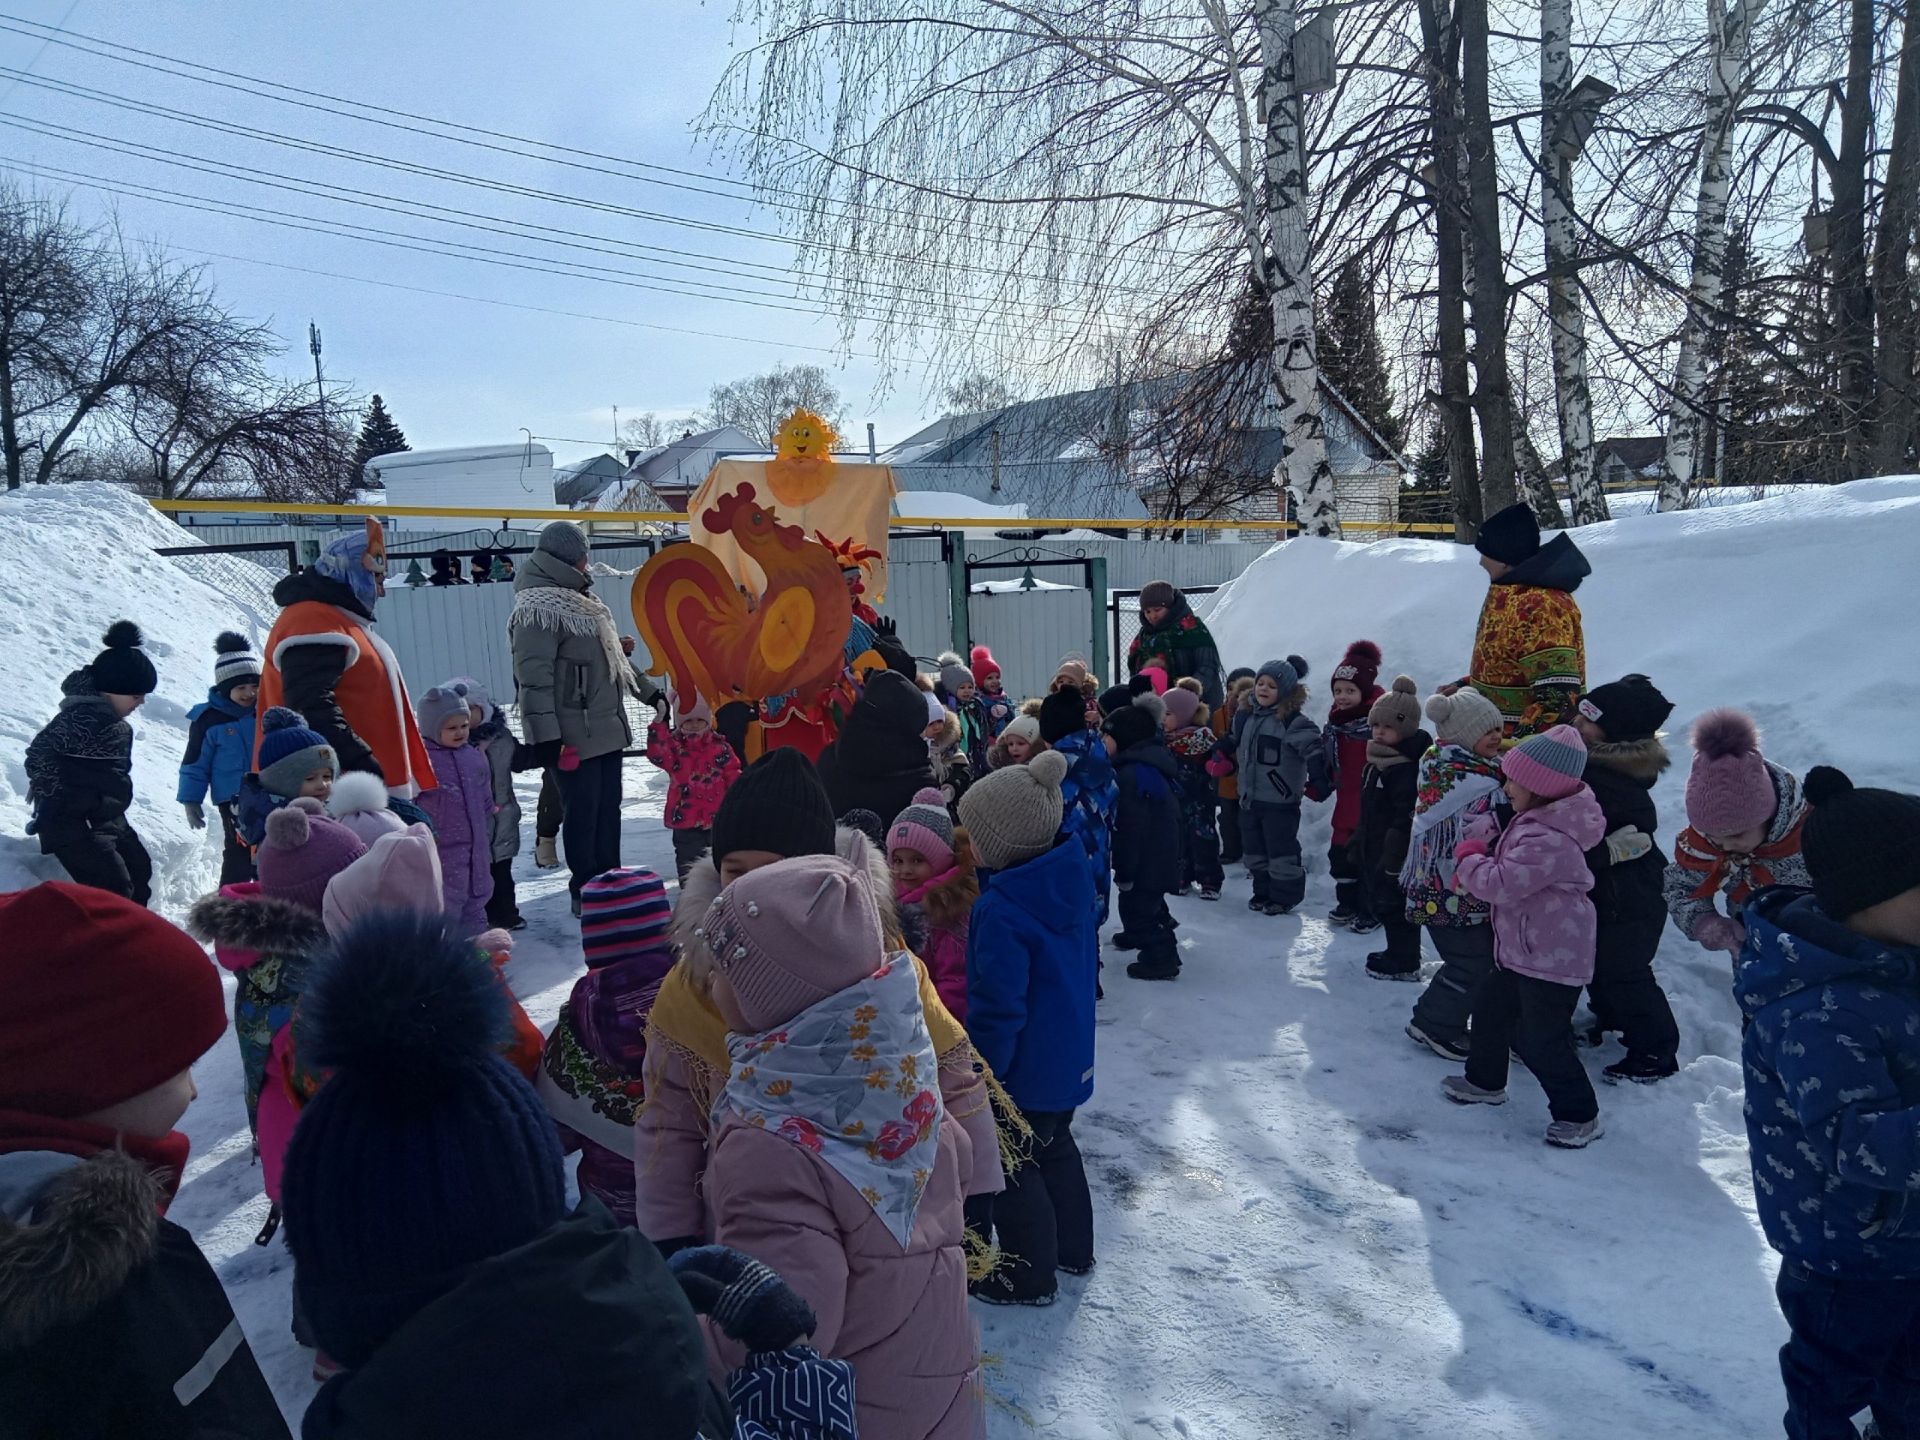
73, 559
1622, 503
951, 505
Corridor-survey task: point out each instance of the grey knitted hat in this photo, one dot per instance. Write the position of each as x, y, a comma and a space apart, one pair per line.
954, 674
563, 540
437, 706
1013, 814
1462, 717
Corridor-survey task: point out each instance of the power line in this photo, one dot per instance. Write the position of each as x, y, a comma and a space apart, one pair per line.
45, 40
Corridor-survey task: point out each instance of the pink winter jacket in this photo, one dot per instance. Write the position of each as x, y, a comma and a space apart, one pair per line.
701, 768
1537, 881
899, 1317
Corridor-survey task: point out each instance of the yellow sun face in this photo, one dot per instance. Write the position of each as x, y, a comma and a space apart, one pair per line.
802, 467
803, 435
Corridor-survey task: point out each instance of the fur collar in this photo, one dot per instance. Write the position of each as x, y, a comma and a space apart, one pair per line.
94, 1224
1644, 760
272, 927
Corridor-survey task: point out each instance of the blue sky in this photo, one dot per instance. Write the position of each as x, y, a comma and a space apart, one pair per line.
621, 79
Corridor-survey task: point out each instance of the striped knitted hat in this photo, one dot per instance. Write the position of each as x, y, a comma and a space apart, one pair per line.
234, 662
924, 826
623, 913
1548, 764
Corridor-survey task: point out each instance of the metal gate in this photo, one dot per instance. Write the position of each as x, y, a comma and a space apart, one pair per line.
1030, 620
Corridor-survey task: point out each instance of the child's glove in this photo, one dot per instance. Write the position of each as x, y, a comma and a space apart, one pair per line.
1474, 846
1219, 766
569, 758
196, 817
1629, 842
1717, 932
747, 1300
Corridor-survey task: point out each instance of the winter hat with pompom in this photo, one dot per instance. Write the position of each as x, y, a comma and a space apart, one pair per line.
1399, 707
1549, 764
289, 751
1062, 713
790, 934
953, 674
1862, 846
234, 662
1463, 717
439, 705
359, 802
1012, 814
425, 1153
123, 667
1360, 666
926, 827
1182, 704
303, 851
399, 872
1728, 789
1287, 673
982, 664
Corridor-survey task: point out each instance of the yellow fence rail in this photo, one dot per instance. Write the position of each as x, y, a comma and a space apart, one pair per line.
267, 509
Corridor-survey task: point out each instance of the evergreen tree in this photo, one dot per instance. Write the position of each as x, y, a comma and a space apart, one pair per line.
378, 436
1351, 357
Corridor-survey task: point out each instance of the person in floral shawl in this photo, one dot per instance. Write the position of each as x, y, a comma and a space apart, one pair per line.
834, 1160
1169, 629
1529, 650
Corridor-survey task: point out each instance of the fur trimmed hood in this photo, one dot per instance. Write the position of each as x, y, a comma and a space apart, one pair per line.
267, 926
69, 1245
1644, 760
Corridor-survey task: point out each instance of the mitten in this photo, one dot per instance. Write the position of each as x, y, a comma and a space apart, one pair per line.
1629, 842
1717, 932
569, 758
747, 1300
196, 817
1475, 846
1219, 765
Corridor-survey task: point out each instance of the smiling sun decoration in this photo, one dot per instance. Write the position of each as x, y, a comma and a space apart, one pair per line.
802, 467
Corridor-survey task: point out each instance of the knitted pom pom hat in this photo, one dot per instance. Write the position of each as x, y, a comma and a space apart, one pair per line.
792, 933
359, 802
1862, 846
1463, 717
1728, 789
303, 851
290, 751
1399, 707
1549, 764
1182, 704
953, 674
1287, 673
1012, 814
982, 664
234, 662
123, 667
926, 827
1360, 666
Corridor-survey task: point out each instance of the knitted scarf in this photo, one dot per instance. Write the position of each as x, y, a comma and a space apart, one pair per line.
1738, 875
574, 612
853, 1080
1383, 756
1456, 785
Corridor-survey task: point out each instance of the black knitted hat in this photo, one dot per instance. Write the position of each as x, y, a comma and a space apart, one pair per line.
1511, 536
1061, 714
1131, 724
1861, 846
778, 804
1629, 708
123, 667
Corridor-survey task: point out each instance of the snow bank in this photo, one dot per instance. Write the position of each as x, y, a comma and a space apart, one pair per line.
73, 559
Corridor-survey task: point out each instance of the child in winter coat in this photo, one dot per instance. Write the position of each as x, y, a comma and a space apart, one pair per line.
1537, 880
1744, 818
1355, 689
360, 802
833, 1159
220, 750
1148, 854
934, 885
435, 1257
701, 766
492, 738
947, 755
1280, 758
997, 705
294, 762
460, 806
1019, 742
590, 1075
80, 770
105, 1304
958, 693
1388, 789
1227, 781
1191, 742
1089, 795
1032, 968
1620, 724
1456, 789
1830, 985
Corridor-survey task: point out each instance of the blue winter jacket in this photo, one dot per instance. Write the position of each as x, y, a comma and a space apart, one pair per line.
1089, 797
1832, 1056
219, 751
1032, 963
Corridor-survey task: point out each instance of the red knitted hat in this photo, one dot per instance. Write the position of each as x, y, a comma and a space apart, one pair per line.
981, 662
100, 1001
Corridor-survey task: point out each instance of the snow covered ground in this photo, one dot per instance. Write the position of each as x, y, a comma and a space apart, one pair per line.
1297, 1236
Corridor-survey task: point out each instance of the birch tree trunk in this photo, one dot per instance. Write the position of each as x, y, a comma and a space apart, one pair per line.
1486, 265
1303, 468
1566, 320
1689, 407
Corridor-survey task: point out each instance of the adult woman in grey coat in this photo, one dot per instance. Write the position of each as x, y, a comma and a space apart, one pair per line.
573, 678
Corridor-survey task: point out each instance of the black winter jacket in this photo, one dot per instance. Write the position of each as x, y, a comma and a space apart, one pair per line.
1387, 794
1147, 828
113, 1325
879, 759
80, 765
309, 673
1622, 777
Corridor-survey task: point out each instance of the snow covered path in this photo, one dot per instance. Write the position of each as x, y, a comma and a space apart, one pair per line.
1297, 1235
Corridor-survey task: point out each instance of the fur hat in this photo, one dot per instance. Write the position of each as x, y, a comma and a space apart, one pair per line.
1287, 673
303, 850
438, 706
290, 751
1549, 764
790, 934
563, 540
1399, 707
1158, 595
1510, 536
1629, 708
1729, 789
779, 805
1131, 724
1013, 814
926, 827
1062, 713
234, 662
1463, 717
123, 667
982, 664
1360, 666
359, 802
1862, 846
1182, 704
399, 871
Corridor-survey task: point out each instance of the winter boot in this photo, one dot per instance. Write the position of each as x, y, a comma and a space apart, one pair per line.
1463, 1091
1574, 1134
1206, 894
1362, 924
1443, 1046
1341, 914
1641, 1069
996, 1289
1157, 969
1385, 965
1123, 941
546, 852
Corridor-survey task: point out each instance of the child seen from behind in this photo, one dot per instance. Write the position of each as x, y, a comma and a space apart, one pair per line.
1191, 742
1147, 836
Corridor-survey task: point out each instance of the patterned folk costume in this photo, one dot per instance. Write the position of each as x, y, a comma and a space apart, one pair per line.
1529, 654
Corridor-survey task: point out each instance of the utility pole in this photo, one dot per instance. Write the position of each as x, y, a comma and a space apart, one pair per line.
616, 427
320, 387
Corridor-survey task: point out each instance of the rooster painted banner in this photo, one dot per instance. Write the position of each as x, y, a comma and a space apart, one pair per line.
848, 504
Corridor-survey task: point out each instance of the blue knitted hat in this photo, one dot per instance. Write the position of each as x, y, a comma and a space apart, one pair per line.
290, 751
424, 1153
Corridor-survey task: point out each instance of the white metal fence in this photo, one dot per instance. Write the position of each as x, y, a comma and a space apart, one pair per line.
1029, 631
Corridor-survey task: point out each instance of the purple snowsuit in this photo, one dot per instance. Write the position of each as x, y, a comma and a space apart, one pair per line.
461, 809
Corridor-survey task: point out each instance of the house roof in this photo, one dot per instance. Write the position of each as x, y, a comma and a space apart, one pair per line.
1636, 452
659, 467
585, 480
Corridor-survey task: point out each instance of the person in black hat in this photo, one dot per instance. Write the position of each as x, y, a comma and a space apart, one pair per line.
1529, 651
480, 567
1830, 985
776, 810
80, 770
1620, 723
879, 761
